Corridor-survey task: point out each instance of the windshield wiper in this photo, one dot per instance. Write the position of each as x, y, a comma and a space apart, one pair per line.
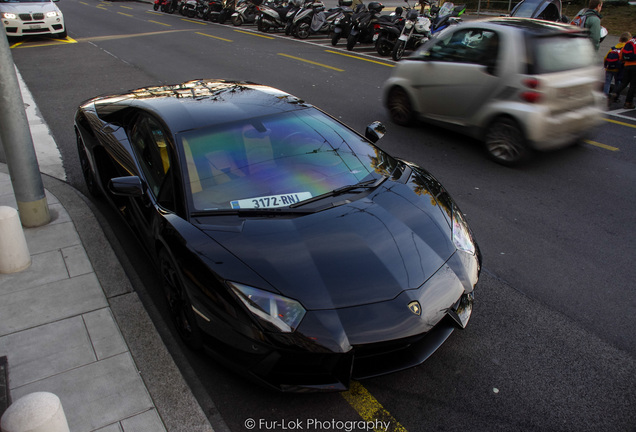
369, 184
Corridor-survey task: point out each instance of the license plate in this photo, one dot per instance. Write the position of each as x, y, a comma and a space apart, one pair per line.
35, 26
271, 201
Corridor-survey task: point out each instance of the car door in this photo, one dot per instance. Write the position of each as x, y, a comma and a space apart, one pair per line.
457, 74
150, 143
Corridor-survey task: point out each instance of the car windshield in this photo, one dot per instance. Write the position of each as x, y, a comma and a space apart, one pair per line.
275, 161
562, 53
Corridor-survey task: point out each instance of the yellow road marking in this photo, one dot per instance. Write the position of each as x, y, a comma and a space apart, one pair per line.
604, 146
370, 409
254, 34
26, 44
125, 14
163, 24
311, 62
215, 37
193, 21
360, 58
619, 123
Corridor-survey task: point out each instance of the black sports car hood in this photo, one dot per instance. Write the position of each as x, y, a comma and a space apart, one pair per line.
367, 251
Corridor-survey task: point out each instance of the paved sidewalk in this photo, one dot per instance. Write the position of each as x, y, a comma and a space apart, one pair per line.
84, 337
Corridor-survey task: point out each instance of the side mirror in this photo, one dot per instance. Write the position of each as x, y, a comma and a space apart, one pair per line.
130, 186
375, 131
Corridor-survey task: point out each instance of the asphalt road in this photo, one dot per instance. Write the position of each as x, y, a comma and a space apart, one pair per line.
552, 342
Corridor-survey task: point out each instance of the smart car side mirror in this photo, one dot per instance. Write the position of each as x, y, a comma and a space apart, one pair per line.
375, 131
129, 186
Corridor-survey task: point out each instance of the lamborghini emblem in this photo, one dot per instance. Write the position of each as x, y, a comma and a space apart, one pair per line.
415, 307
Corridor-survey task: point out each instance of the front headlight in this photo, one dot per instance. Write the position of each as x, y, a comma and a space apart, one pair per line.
274, 311
462, 236
51, 14
9, 15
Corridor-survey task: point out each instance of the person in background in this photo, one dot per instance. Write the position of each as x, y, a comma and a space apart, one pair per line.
614, 66
628, 56
593, 21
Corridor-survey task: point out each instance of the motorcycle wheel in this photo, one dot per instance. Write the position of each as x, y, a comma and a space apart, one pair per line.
398, 50
383, 46
171, 9
237, 20
222, 17
335, 37
156, 6
263, 26
302, 31
352, 40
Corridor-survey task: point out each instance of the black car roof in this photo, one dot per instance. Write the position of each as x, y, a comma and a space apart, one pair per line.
199, 103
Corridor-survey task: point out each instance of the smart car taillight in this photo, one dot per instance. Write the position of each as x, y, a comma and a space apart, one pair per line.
532, 95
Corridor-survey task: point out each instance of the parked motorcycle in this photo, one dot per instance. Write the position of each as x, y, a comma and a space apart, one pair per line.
245, 12
415, 31
157, 4
445, 16
228, 9
189, 8
362, 24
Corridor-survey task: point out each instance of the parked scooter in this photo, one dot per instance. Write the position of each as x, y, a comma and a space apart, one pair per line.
386, 33
189, 8
362, 24
228, 9
314, 19
213, 10
274, 15
245, 12
342, 24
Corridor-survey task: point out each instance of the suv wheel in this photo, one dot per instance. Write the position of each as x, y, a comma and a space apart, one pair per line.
505, 142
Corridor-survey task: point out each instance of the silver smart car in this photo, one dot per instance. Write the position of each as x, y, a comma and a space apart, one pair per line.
516, 84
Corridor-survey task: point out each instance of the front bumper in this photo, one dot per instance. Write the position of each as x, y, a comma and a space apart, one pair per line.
33, 24
331, 347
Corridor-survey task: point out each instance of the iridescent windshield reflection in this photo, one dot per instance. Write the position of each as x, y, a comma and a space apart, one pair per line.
274, 161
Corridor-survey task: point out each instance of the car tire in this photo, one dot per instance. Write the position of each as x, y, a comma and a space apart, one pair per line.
400, 107
89, 176
505, 142
179, 304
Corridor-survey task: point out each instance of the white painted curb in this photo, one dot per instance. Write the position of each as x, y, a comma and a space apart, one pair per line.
35, 412
14, 253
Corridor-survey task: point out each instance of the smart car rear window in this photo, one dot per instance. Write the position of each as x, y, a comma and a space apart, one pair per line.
560, 53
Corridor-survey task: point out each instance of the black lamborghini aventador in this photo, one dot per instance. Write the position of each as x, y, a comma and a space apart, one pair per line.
290, 246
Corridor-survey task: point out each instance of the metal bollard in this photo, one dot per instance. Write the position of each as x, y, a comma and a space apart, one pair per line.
14, 253
35, 412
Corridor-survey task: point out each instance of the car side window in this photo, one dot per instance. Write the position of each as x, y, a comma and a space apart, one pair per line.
149, 141
473, 46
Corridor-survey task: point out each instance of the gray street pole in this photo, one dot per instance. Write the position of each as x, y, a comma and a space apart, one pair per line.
16, 139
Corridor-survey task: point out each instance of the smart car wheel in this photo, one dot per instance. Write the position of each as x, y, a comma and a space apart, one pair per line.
87, 171
179, 304
505, 142
400, 107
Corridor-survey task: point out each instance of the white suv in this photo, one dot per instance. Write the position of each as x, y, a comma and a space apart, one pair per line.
516, 84
32, 17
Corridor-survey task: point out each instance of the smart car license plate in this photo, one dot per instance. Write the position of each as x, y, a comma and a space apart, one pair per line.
271, 201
